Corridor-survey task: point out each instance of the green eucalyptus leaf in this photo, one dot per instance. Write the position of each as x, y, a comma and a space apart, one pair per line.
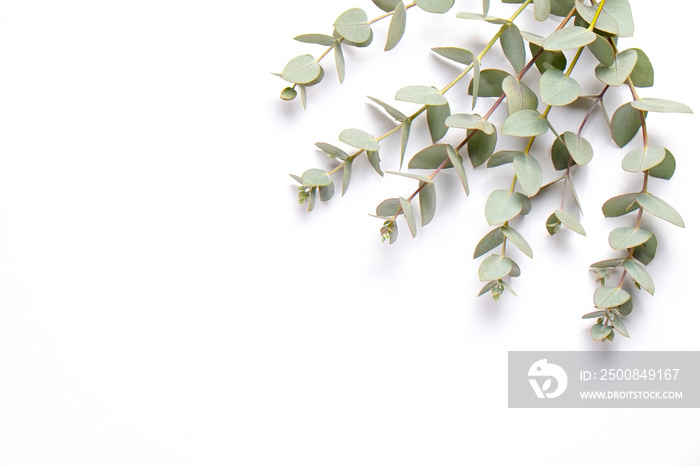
666, 168
502, 205
518, 95
386, 5
620, 70
296, 178
488, 287
579, 148
463, 56
661, 105
561, 158
480, 146
527, 204
543, 9
476, 81
646, 252
428, 201
517, 239
435, 6
374, 160
408, 213
301, 70
355, 44
436, 116
529, 173
562, 7
627, 237
547, 59
626, 308
642, 159
315, 177
660, 208
557, 89
302, 94
339, 61
640, 275
553, 224
288, 93
607, 264
515, 270
570, 37
312, 198
492, 240
513, 46
357, 138
353, 25
643, 73
397, 26
347, 173
625, 124
469, 121
320, 39
424, 95
616, 17
388, 207
495, 267
600, 332
620, 205
477, 16
490, 83
326, 192
605, 22
413, 176
430, 158
570, 222
525, 123
607, 297
594, 315
616, 320
332, 151
459, 167
405, 132
603, 51
397, 115
532, 38
502, 157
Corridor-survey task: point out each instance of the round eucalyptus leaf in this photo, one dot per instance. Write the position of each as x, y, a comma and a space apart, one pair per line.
579, 148
529, 173
518, 95
469, 121
627, 237
525, 123
494, 267
288, 93
605, 22
502, 205
490, 83
607, 297
481, 146
424, 95
357, 138
315, 177
570, 37
625, 124
603, 51
513, 46
640, 275
642, 159
570, 222
643, 73
353, 25
386, 5
620, 70
557, 89
492, 240
430, 158
600, 332
435, 6
646, 252
301, 70
665, 169
620, 205
388, 207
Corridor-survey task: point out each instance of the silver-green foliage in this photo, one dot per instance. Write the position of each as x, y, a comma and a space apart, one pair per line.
591, 27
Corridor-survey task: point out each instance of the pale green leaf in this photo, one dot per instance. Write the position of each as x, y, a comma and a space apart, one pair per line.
347, 173
469, 121
603, 51
320, 39
388, 207
414, 176
620, 70
430, 158
605, 22
513, 46
424, 95
616, 320
517, 239
642, 159
557, 89
600, 332
465, 57
480, 146
288, 93
486, 5
436, 116
665, 169
518, 95
353, 25
620, 205
525, 123
571, 37
373, 157
543, 9
502, 205
643, 73
332, 150
646, 252
528, 172
408, 213
459, 167
386, 5
301, 70
476, 81
302, 94
627, 237
397, 115
660, 208
533, 38
397, 26
405, 132
579, 148
493, 239
502, 157
435, 6
477, 16
495, 267
427, 201
570, 222
547, 59
625, 124
616, 17
312, 198
357, 138
339, 61
326, 192
661, 105
640, 275
315, 177
488, 287
607, 264
594, 315
490, 82
607, 297
561, 7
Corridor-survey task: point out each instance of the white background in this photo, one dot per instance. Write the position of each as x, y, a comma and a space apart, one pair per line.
164, 299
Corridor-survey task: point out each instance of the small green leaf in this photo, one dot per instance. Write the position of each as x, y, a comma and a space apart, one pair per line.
320, 39
428, 201
570, 222
607, 297
326, 192
513, 46
626, 308
347, 173
607, 264
459, 168
386, 5
625, 124
480, 146
579, 148
661, 105
312, 199
547, 59
436, 116
543, 9
640, 275
525, 123
388, 207
495, 267
465, 57
302, 94
603, 51
646, 252
532, 38
600, 332
488, 287
627, 237
315, 177
301, 70
490, 83
571, 37
605, 22
374, 160
339, 61
557, 89
620, 70
397, 26
424, 95
469, 121
502, 205
616, 320
660, 208
493, 239
476, 81
353, 25
408, 213
355, 44
430, 158
413, 176
643, 73
398, 116
288, 93
562, 7
528, 172
332, 150
620, 205
297, 179
616, 17
518, 95
405, 132
561, 158
594, 315
357, 138
502, 157
477, 16
642, 159
486, 6
666, 168
435, 6
517, 239
527, 204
